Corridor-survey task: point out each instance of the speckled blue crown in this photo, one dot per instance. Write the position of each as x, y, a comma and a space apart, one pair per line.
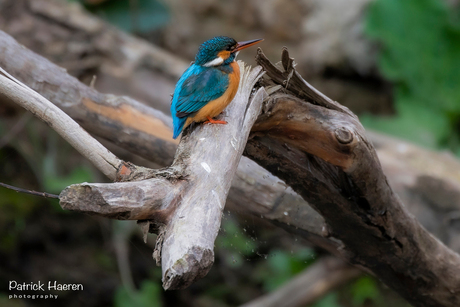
209, 49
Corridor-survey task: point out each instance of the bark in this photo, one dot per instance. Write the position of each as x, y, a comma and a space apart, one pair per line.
337, 171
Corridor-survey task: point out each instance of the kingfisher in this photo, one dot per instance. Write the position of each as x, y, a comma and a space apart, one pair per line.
209, 84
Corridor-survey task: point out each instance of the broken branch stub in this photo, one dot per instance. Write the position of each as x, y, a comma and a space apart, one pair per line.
185, 201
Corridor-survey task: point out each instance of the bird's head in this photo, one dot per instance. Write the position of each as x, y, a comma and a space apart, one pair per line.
221, 50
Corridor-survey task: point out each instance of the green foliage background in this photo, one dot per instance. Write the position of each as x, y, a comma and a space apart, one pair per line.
420, 43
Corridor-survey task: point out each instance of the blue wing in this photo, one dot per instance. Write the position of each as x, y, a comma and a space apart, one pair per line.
200, 88
197, 86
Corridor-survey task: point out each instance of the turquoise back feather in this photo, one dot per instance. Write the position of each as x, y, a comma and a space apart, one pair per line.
198, 86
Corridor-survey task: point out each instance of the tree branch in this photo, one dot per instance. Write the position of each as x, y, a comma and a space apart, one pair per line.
129, 65
344, 182
172, 201
184, 202
148, 133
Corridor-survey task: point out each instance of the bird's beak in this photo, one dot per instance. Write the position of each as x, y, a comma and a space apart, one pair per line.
246, 44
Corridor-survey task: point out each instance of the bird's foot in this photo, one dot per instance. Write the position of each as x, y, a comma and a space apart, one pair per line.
213, 121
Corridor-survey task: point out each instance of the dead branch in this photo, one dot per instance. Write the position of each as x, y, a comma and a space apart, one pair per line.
184, 202
310, 285
337, 171
143, 71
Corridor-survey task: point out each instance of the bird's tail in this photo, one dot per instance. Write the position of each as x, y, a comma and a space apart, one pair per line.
178, 125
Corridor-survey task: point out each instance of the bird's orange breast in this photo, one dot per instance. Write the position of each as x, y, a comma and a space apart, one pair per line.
216, 106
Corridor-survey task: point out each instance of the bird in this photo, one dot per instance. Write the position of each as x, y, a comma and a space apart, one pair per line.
209, 84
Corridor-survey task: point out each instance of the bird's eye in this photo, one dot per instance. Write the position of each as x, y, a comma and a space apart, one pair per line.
231, 48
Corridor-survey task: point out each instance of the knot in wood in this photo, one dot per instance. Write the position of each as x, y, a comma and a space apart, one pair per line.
343, 135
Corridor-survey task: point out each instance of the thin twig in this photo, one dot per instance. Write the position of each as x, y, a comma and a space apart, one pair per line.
42, 194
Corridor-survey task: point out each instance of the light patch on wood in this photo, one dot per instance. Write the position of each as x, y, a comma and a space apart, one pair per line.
132, 118
206, 167
216, 195
234, 142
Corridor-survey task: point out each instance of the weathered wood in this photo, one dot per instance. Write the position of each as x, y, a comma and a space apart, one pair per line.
295, 123
358, 205
290, 79
211, 156
173, 200
135, 200
184, 202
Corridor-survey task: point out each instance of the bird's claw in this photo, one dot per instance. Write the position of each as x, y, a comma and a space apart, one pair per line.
213, 121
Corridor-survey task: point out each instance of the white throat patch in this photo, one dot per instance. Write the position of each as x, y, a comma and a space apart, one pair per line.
216, 62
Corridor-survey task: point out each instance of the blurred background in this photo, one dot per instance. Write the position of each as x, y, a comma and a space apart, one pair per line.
396, 64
